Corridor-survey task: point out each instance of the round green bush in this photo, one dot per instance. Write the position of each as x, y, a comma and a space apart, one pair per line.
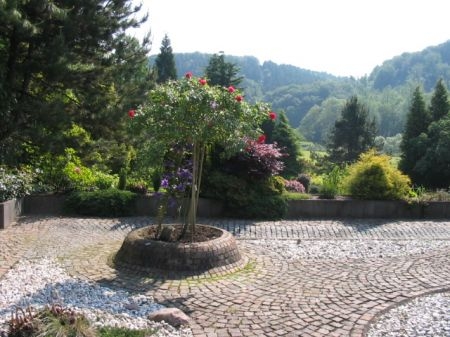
373, 177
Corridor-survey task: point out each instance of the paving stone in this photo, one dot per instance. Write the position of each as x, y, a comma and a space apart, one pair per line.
269, 295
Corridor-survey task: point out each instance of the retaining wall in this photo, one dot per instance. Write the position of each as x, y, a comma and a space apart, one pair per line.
311, 208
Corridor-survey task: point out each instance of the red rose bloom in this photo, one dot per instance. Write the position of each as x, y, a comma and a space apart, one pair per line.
231, 89
262, 139
188, 75
272, 115
239, 98
202, 81
131, 113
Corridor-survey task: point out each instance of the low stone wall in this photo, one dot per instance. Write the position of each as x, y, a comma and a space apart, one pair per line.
320, 208
10, 210
311, 208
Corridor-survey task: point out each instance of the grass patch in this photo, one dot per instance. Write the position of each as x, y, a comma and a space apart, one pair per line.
296, 196
123, 332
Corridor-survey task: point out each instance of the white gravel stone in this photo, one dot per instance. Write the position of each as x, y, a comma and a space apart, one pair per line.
348, 249
427, 316
40, 282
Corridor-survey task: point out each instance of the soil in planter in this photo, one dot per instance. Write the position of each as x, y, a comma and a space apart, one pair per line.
202, 234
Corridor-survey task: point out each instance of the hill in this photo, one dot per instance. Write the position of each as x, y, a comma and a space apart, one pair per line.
313, 100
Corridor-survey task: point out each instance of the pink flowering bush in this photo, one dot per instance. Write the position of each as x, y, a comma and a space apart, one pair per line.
294, 186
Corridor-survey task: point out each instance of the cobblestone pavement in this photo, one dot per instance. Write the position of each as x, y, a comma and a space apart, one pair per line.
270, 295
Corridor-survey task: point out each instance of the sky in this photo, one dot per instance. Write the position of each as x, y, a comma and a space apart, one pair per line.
340, 37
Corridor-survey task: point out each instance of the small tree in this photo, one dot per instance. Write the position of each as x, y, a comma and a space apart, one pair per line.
189, 111
352, 134
220, 72
165, 62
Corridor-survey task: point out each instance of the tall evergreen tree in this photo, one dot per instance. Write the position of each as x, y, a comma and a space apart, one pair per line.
58, 62
414, 139
433, 169
353, 133
165, 62
221, 72
440, 105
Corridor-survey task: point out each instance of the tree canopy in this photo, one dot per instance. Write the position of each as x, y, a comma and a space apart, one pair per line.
66, 63
165, 62
353, 133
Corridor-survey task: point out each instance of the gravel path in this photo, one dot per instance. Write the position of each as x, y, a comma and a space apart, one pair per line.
303, 278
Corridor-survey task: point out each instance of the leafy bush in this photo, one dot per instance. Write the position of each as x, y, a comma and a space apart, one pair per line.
305, 180
15, 183
294, 186
248, 199
373, 177
257, 161
331, 183
109, 203
65, 173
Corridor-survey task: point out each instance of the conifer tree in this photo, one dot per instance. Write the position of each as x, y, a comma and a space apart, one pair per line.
440, 105
414, 140
165, 62
289, 142
353, 133
221, 72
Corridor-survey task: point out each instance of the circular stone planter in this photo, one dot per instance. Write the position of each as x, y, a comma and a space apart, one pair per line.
139, 250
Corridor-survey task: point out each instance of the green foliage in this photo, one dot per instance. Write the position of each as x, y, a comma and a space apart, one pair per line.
64, 173
373, 177
53, 320
249, 199
165, 62
64, 64
108, 203
15, 183
426, 143
352, 134
440, 105
305, 180
332, 183
221, 72
288, 140
123, 332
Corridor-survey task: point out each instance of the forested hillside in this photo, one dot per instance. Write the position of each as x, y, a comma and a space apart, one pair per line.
313, 100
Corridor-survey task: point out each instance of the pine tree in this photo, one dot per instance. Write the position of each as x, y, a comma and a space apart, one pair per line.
433, 169
165, 62
59, 68
414, 139
440, 105
353, 133
220, 72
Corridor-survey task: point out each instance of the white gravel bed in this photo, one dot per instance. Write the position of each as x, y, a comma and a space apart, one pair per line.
40, 282
427, 316
348, 249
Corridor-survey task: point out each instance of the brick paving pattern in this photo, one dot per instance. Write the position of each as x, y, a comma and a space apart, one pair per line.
269, 295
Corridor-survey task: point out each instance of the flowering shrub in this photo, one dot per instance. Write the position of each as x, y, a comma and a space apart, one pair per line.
15, 183
258, 160
294, 186
190, 111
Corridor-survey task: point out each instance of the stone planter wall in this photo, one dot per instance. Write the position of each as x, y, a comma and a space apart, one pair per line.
10, 210
319, 208
137, 250
298, 209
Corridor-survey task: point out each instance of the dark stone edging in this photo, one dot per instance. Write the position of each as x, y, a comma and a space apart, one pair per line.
195, 257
